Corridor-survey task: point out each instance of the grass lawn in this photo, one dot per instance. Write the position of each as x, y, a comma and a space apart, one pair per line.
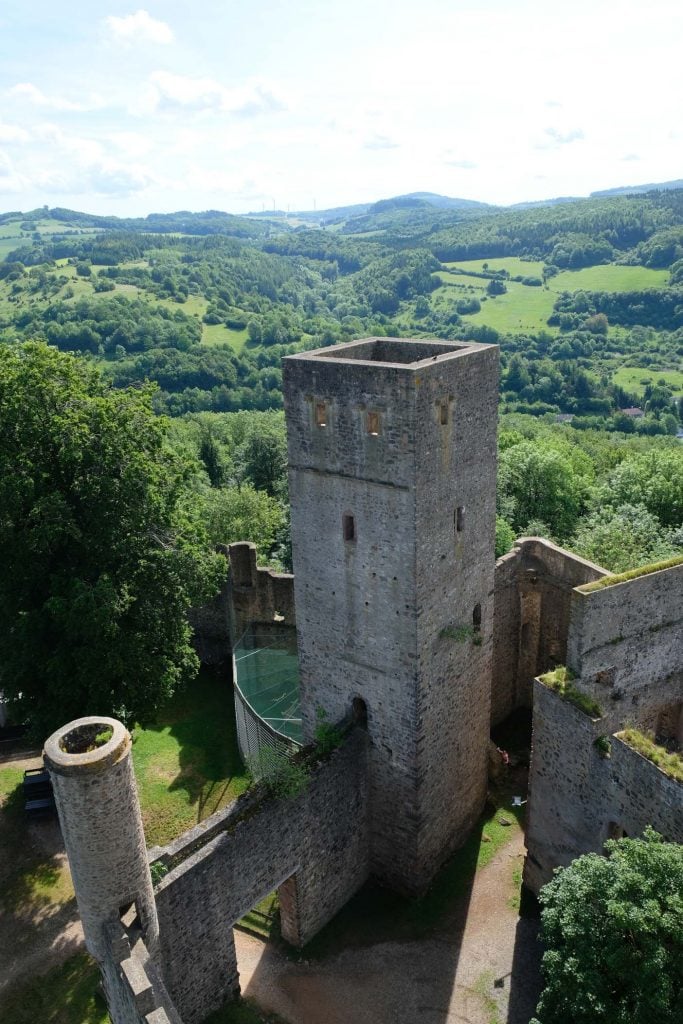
635, 378
68, 994
521, 309
187, 765
609, 278
219, 334
513, 264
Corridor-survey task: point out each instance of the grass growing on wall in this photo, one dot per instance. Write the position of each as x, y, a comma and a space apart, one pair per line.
560, 682
631, 574
670, 763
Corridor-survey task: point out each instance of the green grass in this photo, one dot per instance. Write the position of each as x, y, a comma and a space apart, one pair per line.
630, 574
609, 278
68, 994
30, 879
375, 914
560, 682
514, 266
635, 378
670, 763
483, 986
521, 309
245, 1011
219, 334
188, 766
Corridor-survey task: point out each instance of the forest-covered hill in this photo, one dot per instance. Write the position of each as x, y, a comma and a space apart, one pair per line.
585, 299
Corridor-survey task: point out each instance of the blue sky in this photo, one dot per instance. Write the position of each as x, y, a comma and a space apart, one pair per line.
243, 105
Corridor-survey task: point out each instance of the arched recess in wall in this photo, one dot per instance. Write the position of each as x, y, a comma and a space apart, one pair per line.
359, 712
476, 618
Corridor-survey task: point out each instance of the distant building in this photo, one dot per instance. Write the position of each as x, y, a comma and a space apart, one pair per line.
634, 412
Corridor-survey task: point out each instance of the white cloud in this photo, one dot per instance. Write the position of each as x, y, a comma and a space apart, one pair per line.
139, 27
30, 92
12, 133
169, 93
380, 142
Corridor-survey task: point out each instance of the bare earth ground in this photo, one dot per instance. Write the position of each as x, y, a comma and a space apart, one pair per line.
43, 934
479, 967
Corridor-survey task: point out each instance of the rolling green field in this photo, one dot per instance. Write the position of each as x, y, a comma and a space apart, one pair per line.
609, 278
635, 378
513, 264
526, 308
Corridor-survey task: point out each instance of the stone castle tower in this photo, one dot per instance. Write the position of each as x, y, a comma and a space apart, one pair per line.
392, 456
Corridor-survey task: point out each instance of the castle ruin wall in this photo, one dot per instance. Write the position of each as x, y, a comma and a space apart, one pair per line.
314, 847
532, 600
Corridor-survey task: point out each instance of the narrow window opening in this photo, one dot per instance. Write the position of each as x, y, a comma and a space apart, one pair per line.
443, 412
359, 712
372, 423
476, 618
616, 831
320, 414
349, 527
459, 518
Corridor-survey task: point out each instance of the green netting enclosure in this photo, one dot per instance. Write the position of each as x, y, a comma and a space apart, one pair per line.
266, 684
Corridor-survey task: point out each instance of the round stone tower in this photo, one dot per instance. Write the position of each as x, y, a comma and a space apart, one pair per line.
90, 764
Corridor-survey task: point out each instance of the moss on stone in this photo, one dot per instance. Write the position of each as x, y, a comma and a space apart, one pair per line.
631, 574
560, 680
670, 763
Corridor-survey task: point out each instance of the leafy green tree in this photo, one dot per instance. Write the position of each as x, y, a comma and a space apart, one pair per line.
539, 481
232, 514
101, 549
653, 479
622, 538
613, 931
505, 537
264, 458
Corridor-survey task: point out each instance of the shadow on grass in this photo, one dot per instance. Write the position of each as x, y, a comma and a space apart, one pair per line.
33, 875
68, 994
189, 758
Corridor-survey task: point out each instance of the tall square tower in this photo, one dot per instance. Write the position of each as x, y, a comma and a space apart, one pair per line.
392, 477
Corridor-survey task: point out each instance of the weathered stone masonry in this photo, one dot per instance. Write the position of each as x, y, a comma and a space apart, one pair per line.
625, 648
404, 618
392, 461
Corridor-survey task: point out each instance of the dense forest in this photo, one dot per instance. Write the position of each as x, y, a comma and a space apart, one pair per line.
585, 299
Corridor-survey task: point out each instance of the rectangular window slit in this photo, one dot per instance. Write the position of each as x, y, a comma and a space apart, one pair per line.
459, 518
373, 423
320, 414
349, 527
443, 413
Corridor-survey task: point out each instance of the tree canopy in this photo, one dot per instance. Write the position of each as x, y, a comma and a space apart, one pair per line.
100, 545
613, 931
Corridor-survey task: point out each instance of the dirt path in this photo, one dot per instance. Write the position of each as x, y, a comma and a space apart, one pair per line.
486, 974
40, 933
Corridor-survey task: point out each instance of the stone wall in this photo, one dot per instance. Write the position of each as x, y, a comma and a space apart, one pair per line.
533, 588
314, 847
626, 643
133, 987
579, 798
255, 594
249, 594
625, 650
392, 485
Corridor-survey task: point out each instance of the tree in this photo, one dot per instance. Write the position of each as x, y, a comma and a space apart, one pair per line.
246, 514
622, 538
613, 931
537, 481
101, 548
264, 458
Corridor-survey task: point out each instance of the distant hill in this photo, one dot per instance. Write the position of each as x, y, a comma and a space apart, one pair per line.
629, 190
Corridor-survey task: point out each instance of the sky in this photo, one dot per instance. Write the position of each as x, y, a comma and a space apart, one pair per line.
243, 105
